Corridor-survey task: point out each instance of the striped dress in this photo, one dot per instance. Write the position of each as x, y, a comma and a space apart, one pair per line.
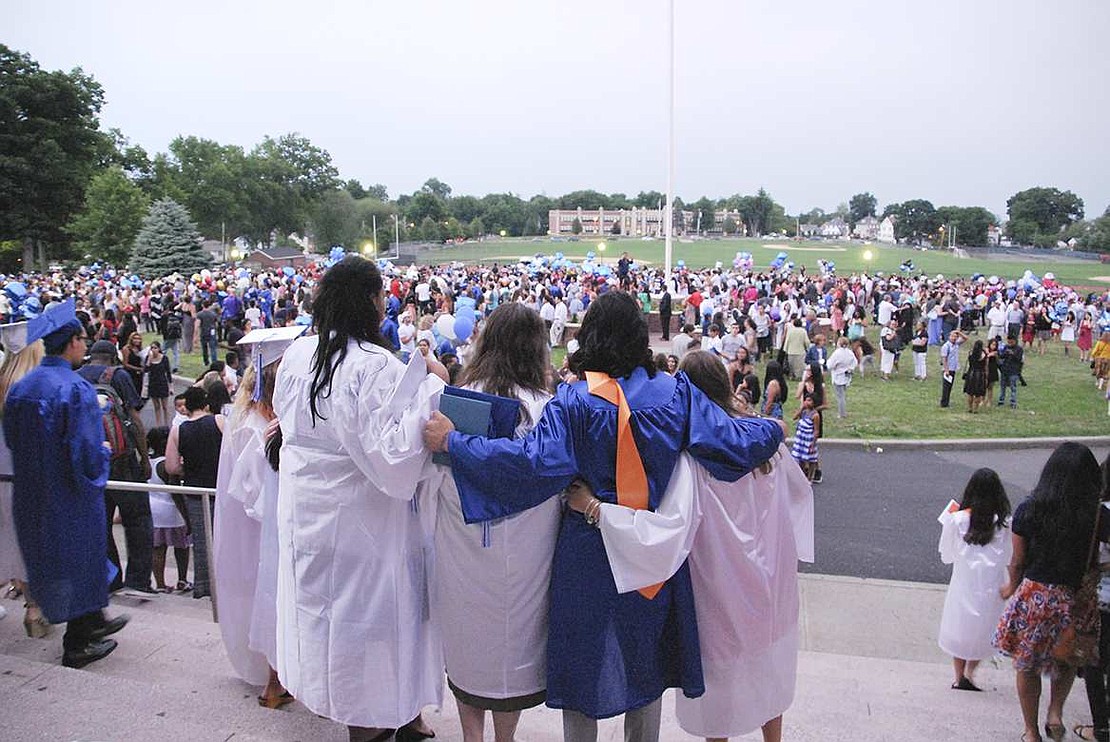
805, 440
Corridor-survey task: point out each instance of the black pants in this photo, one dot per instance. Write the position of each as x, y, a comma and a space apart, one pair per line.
665, 320
946, 387
138, 530
78, 630
1097, 680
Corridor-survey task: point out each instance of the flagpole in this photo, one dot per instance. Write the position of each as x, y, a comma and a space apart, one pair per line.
668, 249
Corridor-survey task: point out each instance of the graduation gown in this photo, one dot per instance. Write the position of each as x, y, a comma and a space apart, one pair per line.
609, 653
11, 561
972, 604
52, 423
355, 640
241, 477
492, 586
743, 540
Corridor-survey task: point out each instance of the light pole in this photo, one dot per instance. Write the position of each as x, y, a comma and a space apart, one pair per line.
668, 242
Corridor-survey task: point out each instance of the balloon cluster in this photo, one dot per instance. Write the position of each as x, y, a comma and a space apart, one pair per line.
743, 261
23, 303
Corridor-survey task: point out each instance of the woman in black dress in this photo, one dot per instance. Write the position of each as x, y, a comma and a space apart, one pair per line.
992, 370
975, 380
193, 452
158, 383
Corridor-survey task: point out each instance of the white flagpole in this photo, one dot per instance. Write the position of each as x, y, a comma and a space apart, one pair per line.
668, 249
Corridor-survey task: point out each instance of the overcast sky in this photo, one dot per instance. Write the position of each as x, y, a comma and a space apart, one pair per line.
958, 101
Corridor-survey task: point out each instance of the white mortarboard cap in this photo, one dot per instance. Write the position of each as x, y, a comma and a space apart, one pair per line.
268, 345
14, 336
271, 342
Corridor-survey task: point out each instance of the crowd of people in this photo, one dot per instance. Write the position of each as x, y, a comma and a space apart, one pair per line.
354, 568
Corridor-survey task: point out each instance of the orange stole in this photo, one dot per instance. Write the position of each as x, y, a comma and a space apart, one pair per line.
632, 484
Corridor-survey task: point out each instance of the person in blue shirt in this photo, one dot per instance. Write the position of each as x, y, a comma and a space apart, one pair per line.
52, 423
608, 653
389, 331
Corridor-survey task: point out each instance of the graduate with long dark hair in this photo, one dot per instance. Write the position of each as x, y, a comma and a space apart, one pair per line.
355, 641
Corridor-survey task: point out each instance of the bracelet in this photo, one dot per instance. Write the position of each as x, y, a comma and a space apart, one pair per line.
592, 513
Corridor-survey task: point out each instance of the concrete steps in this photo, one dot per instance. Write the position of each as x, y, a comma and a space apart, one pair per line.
170, 680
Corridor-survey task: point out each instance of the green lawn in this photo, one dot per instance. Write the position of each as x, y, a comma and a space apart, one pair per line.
848, 256
1061, 400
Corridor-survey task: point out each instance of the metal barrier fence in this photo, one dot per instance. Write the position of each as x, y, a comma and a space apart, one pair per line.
205, 494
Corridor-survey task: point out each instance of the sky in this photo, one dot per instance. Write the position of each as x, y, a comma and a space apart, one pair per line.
962, 102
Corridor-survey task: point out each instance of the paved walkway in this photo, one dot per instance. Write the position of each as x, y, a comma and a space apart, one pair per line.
869, 671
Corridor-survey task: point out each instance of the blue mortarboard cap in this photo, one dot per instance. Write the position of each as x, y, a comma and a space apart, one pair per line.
445, 348
57, 321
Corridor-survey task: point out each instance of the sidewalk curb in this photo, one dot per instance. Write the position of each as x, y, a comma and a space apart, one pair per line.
960, 444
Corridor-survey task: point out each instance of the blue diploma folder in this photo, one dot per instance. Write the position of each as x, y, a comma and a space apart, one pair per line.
478, 413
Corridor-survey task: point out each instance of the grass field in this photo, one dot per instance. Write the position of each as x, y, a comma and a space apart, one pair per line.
849, 257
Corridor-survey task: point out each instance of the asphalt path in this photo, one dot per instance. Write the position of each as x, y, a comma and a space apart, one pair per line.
876, 513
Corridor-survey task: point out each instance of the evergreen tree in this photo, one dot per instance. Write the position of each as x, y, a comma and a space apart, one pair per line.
168, 242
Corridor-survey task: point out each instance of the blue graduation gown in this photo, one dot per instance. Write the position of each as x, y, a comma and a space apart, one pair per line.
53, 425
609, 653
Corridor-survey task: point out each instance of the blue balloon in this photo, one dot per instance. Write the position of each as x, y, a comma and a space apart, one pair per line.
682, 264
289, 271
463, 327
16, 290
298, 278
467, 312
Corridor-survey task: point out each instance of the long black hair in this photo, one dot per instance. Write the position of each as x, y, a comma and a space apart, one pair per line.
774, 373
1063, 505
346, 307
613, 338
510, 354
817, 378
985, 496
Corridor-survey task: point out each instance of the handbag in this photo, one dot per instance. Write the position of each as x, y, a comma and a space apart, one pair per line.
1077, 645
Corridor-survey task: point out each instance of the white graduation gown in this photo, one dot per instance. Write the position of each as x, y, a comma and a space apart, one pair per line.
263, 628
492, 600
11, 558
744, 540
235, 539
972, 605
355, 642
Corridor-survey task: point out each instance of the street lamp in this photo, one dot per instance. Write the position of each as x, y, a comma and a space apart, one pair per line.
368, 249
868, 255
235, 254
503, 233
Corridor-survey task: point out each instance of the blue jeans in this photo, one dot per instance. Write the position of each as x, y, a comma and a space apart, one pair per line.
170, 348
208, 348
1011, 383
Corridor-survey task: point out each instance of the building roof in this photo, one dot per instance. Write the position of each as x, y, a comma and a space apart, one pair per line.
280, 253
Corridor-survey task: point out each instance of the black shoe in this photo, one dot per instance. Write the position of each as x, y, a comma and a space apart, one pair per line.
138, 592
91, 652
817, 477
109, 627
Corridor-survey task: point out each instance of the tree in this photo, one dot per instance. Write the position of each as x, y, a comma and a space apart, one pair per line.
576, 226
916, 221
616, 228
536, 215
355, 188
217, 184
429, 230
476, 228
464, 208
426, 205
336, 221
378, 191
756, 211
168, 242
861, 206
585, 199
1098, 236
1038, 215
705, 214
114, 208
50, 147
649, 199
970, 223
437, 188
729, 225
